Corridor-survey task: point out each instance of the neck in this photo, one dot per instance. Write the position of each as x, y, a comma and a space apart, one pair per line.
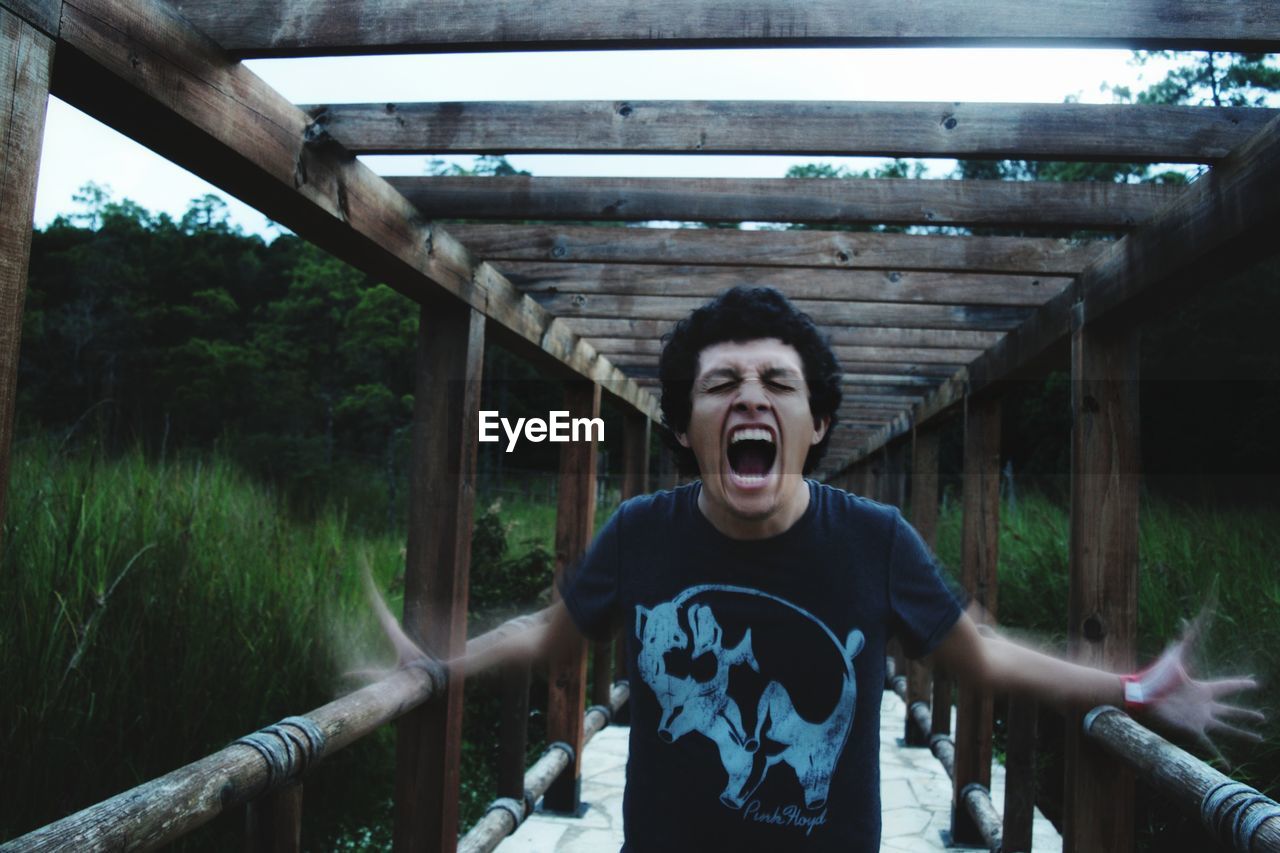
788, 512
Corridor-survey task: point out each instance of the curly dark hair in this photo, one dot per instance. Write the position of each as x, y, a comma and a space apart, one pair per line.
744, 314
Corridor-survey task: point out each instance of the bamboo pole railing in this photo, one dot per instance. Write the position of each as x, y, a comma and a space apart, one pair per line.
164, 809
506, 813
1240, 817
1237, 815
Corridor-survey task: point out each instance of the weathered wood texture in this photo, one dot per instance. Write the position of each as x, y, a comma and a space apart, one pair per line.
304, 27
978, 807
26, 60
536, 278
437, 559
979, 549
916, 373
1108, 132
1181, 777
575, 513
862, 200
513, 729
157, 812
1102, 609
41, 14
924, 361
498, 823
636, 440
849, 313
859, 336
924, 518
273, 824
762, 248
141, 68
1020, 775
1222, 223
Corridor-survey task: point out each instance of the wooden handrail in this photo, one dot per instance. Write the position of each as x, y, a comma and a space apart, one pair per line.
977, 801
1236, 814
1233, 812
506, 814
166, 808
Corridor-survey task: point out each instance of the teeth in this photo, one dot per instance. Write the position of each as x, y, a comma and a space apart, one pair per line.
750, 479
751, 434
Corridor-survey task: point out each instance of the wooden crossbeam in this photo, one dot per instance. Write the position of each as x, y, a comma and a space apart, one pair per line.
850, 313
40, 14
271, 28
771, 248
1223, 223
138, 66
910, 359
1106, 132
856, 336
904, 201
848, 378
865, 285
890, 368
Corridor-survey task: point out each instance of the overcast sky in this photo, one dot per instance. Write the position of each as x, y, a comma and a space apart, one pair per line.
77, 149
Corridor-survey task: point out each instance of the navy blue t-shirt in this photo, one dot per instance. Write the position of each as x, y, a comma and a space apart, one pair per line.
757, 667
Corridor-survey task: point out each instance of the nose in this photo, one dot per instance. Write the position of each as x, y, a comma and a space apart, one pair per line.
751, 397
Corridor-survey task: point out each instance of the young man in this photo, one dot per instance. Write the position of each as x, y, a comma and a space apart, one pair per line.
755, 606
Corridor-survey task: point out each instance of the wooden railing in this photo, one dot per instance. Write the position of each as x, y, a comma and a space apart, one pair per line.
1234, 813
270, 764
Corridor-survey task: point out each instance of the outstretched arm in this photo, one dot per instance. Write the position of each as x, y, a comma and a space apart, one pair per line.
1163, 693
530, 638
538, 636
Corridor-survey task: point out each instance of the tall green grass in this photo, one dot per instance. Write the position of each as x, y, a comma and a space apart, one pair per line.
153, 612
1189, 557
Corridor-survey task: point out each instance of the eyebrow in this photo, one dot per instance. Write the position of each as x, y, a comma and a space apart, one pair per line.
733, 373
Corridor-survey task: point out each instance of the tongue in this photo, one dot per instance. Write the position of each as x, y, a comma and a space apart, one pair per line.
752, 462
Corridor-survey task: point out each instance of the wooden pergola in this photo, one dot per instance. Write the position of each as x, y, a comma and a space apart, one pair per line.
927, 327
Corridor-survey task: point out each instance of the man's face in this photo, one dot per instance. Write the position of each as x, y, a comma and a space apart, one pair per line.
750, 428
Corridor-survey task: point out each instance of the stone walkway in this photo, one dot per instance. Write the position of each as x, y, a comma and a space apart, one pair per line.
915, 794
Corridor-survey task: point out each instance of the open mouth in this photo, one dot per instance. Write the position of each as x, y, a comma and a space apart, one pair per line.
751, 454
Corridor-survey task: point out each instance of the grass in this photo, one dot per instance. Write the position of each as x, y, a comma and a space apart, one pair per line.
1189, 557
155, 611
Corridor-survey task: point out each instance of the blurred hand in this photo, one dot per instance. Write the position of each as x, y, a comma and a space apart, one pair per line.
407, 651
1167, 694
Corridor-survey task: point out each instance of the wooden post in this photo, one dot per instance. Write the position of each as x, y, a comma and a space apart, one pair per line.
274, 822
898, 483
1020, 776
438, 555
567, 675
26, 61
513, 733
924, 517
635, 481
980, 540
1103, 606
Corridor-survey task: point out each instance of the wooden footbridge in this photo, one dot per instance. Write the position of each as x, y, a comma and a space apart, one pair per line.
928, 327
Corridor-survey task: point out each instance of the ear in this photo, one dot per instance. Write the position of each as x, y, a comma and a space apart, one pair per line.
683, 438
642, 613
820, 426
